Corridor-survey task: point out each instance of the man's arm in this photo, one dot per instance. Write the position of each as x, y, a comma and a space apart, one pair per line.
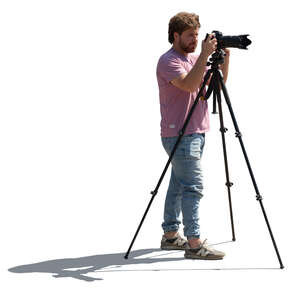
225, 65
191, 81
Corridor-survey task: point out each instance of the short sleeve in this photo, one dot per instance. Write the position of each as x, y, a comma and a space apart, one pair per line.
170, 68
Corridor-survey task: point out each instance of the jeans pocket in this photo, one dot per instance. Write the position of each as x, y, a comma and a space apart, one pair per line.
193, 148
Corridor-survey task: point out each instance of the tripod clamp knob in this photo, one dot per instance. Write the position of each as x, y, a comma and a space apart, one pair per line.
259, 197
229, 184
223, 130
153, 192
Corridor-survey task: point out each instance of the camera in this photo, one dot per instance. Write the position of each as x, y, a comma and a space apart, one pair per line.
240, 41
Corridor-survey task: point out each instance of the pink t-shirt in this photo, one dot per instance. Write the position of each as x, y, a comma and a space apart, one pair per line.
176, 103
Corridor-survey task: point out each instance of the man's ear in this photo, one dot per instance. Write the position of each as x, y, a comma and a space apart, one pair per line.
176, 35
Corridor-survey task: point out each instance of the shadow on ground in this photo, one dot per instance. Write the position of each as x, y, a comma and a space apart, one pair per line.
79, 268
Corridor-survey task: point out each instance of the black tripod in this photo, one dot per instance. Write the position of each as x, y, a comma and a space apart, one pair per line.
216, 83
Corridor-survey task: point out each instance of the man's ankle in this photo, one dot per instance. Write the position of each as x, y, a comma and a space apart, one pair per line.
194, 242
170, 234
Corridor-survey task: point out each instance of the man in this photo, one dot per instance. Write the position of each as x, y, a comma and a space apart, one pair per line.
179, 76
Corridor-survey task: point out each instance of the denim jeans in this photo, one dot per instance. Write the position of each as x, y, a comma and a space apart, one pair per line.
185, 187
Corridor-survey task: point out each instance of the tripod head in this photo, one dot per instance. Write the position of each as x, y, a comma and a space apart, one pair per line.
216, 59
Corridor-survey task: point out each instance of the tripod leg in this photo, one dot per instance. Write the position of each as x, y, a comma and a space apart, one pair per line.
223, 131
239, 135
153, 195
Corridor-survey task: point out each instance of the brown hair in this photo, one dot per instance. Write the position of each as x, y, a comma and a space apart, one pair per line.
182, 21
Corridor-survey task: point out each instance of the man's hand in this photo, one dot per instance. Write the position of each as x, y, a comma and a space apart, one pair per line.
209, 46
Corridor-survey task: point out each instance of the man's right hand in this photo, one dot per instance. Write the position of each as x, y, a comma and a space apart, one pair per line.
209, 45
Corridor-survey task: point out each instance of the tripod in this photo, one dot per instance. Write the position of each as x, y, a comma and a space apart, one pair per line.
216, 83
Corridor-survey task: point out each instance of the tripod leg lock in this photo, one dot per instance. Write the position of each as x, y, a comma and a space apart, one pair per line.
259, 197
153, 192
238, 134
228, 184
223, 130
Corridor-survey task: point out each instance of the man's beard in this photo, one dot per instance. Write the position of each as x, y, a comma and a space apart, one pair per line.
188, 48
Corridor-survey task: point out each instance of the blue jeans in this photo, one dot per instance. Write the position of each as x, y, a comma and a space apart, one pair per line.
185, 187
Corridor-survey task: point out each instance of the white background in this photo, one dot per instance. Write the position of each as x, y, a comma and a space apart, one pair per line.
80, 146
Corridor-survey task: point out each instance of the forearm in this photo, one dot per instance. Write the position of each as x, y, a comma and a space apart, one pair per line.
225, 67
193, 79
